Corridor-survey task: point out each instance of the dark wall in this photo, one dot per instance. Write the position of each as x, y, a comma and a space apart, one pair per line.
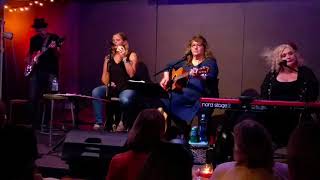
268, 24
237, 32
100, 21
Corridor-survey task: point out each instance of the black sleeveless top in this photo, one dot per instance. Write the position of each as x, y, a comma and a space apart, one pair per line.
119, 76
289, 91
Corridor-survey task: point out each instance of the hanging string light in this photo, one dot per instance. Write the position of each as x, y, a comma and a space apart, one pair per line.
28, 6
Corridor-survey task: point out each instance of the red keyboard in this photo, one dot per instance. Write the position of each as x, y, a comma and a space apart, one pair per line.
254, 104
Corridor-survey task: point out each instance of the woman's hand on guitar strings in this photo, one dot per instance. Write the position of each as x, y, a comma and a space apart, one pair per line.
164, 82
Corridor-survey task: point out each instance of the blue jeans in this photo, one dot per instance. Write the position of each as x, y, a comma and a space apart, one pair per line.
126, 98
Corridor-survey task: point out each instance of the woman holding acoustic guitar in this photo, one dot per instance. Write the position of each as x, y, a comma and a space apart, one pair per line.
194, 78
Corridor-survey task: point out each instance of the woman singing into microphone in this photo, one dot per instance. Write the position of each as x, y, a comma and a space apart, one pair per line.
118, 68
287, 80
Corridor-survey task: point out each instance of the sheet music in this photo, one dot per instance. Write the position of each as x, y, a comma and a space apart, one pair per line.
134, 81
148, 89
80, 96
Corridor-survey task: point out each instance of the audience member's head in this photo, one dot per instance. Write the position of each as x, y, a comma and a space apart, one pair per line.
250, 92
174, 134
147, 130
236, 116
253, 146
304, 152
170, 161
18, 152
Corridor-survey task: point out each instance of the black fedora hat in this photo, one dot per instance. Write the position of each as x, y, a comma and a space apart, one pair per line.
39, 23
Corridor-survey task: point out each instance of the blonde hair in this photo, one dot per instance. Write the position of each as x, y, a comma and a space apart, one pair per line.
272, 56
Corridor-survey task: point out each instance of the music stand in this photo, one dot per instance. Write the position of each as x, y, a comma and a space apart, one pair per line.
148, 89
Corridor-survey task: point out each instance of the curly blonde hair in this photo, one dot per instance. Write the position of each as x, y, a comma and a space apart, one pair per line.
200, 39
273, 56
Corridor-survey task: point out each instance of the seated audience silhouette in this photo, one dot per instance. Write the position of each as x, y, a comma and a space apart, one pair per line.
170, 162
143, 137
253, 156
304, 152
18, 153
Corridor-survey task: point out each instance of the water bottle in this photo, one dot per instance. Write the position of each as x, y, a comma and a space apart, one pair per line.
203, 129
54, 85
194, 134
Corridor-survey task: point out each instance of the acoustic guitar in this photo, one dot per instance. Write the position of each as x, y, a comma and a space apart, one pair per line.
180, 77
29, 69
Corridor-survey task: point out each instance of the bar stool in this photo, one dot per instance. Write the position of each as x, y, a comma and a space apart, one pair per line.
12, 104
52, 98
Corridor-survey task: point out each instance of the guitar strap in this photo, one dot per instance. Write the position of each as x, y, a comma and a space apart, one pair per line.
45, 42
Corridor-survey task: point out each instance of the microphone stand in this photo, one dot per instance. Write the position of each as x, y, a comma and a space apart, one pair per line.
108, 68
170, 83
171, 66
291, 68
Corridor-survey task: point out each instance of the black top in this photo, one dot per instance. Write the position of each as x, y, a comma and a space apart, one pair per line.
305, 88
118, 75
47, 62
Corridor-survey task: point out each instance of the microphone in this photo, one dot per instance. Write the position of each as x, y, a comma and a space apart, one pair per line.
111, 46
110, 43
283, 63
186, 55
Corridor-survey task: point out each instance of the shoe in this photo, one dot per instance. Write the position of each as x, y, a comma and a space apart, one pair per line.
97, 126
114, 127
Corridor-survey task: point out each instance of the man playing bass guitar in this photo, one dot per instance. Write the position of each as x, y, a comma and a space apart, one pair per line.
43, 67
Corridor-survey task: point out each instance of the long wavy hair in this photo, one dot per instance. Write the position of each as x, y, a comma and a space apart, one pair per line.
253, 145
199, 39
272, 56
147, 130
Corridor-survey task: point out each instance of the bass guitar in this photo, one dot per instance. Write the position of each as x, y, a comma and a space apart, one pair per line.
34, 58
180, 77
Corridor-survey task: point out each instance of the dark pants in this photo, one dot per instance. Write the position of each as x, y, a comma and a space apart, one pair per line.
40, 83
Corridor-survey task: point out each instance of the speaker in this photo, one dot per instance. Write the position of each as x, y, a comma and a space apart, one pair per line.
92, 144
88, 153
